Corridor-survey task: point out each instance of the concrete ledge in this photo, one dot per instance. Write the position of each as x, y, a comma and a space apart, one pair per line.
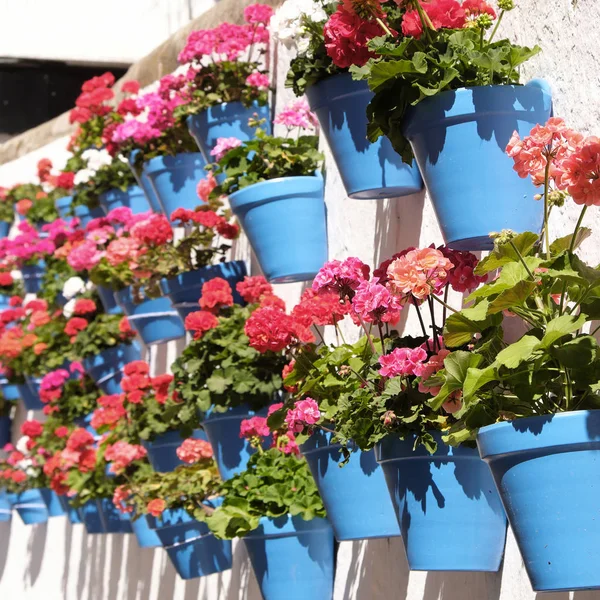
159, 62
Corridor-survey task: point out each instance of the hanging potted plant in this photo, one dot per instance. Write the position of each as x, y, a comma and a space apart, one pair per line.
102, 178
119, 252
533, 404
221, 375
449, 94
275, 189
321, 370
385, 403
173, 506
105, 344
275, 507
7, 212
227, 80
329, 38
11, 285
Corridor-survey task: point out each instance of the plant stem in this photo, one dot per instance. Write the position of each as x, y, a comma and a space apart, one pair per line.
496, 27
444, 303
546, 215
339, 330
367, 334
425, 20
538, 300
384, 27
422, 323
568, 389
445, 310
571, 248
436, 345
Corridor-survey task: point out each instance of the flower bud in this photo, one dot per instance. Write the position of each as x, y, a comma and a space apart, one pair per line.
506, 4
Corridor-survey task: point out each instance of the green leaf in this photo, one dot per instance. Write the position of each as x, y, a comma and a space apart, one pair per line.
383, 71
456, 367
461, 326
512, 356
524, 243
476, 379
561, 326
515, 296
577, 353
562, 244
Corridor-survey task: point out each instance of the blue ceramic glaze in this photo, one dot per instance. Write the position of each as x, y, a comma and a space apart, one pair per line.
4, 301
32, 277
229, 119
368, 170
231, 452
86, 215
4, 229
284, 220
5, 506
162, 450
63, 206
459, 139
292, 558
5, 434
145, 183
176, 526
347, 490
185, 290
546, 470
10, 390
72, 513
30, 506
133, 197
155, 320
107, 297
29, 392
106, 368
174, 180
52, 502
449, 511
146, 537
101, 516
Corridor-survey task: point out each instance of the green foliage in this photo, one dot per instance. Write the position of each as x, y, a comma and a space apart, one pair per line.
266, 157
42, 209
7, 210
56, 274
79, 397
274, 485
101, 334
407, 71
223, 371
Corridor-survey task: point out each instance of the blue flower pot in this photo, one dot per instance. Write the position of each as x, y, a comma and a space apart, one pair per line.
155, 320
162, 450
292, 558
29, 392
102, 516
86, 215
5, 507
369, 171
459, 140
52, 502
145, 536
449, 511
174, 180
10, 390
4, 229
546, 470
133, 197
357, 488
192, 549
30, 506
284, 220
85, 423
5, 431
231, 452
32, 277
106, 368
63, 206
4, 302
107, 297
229, 119
72, 513
184, 291
145, 183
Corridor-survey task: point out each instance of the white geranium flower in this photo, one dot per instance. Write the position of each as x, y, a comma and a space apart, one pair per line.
96, 158
16, 275
73, 286
83, 176
69, 308
286, 23
21, 445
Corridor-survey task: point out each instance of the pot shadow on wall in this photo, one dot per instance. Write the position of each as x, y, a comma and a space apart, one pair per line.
5, 528
445, 585
36, 547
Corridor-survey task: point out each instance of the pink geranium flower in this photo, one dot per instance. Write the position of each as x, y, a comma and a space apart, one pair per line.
223, 146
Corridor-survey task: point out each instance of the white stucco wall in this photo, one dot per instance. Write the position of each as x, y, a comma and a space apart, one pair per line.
58, 561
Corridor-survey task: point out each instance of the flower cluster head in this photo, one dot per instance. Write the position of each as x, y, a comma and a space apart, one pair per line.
32, 429
258, 80
26, 246
110, 412
200, 322
253, 288
156, 507
271, 329
297, 114
402, 361
319, 309
374, 303
462, 277
254, 427
223, 146
216, 294
79, 451
121, 454
341, 277
419, 273
205, 186
346, 37
192, 451
305, 413
92, 100
51, 386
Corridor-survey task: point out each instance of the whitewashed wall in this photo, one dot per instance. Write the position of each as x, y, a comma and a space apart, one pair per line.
58, 561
